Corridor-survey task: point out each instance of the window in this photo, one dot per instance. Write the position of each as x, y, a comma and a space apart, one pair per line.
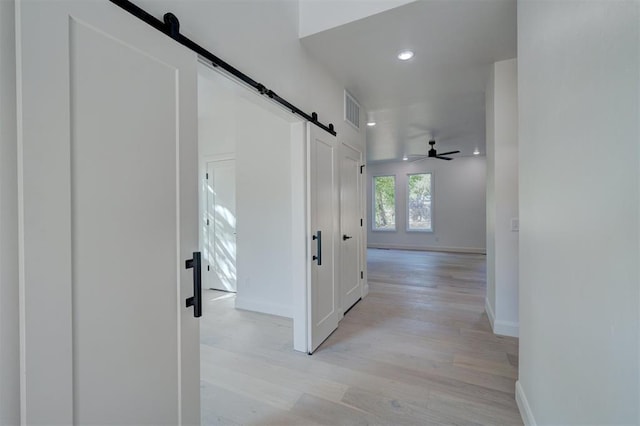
419, 202
384, 203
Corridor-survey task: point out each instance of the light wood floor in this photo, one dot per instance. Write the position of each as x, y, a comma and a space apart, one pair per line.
418, 350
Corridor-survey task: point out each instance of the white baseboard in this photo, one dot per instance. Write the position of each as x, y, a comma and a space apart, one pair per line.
524, 407
365, 290
506, 328
489, 311
264, 308
428, 248
500, 327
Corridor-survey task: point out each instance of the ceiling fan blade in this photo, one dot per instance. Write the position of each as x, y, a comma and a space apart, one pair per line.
450, 152
444, 158
424, 157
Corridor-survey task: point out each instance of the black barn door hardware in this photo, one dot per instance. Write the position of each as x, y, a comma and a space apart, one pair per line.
196, 299
318, 239
171, 27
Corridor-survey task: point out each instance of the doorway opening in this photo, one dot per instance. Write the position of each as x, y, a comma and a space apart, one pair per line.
219, 231
251, 221
257, 179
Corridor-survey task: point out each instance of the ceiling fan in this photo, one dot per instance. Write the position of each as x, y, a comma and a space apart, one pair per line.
432, 153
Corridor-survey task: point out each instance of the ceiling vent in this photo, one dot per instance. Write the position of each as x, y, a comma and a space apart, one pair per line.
351, 110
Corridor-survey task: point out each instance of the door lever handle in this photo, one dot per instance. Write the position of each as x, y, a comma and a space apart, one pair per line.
345, 237
196, 299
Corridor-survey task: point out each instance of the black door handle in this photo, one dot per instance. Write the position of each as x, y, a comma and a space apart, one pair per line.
318, 238
196, 299
345, 237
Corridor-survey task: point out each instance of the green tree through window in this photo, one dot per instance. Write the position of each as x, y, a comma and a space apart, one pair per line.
419, 202
384, 203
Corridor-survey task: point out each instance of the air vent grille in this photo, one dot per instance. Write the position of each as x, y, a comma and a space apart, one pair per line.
351, 110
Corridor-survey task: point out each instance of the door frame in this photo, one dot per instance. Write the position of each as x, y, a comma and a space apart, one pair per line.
300, 186
361, 248
300, 256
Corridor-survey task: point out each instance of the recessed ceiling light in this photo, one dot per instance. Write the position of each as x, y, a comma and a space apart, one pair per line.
476, 152
371, 123
405, 55
404, 158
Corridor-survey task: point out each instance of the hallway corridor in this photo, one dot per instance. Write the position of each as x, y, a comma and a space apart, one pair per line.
417, 350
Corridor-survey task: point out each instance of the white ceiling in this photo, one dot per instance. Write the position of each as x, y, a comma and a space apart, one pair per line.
440, 92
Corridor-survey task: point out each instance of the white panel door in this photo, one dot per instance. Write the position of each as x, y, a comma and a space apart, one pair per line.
108, 203
350, 235
323, 293
221, 224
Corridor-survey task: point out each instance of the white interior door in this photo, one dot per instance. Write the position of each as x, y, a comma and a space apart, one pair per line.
350, 235
323, 293
221, 224
108, 204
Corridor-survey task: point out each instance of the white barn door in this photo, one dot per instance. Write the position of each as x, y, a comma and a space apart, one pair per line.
108, 204
323, 293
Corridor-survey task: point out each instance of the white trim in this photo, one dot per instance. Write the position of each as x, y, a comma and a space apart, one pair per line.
353, 147
263, 308
20, 183
500, 327
365, 290
489, 310
476, 250
524, 407
506, 328
362, 264
300, 254
307, 320
218, 157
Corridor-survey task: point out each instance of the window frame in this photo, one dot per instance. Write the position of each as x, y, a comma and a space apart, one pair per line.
373, 203
408, 199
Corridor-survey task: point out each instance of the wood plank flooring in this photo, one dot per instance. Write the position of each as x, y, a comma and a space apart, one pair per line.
417, 351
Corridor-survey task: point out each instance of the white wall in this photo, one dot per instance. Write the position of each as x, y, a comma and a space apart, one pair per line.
502, 197
9, 336
217, 114
260, 38
578, 88
458, 205
321, 15
264, 212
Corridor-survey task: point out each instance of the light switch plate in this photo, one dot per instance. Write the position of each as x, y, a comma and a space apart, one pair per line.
515, 224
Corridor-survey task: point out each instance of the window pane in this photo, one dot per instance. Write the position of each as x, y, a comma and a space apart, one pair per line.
420, 202
384, 202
